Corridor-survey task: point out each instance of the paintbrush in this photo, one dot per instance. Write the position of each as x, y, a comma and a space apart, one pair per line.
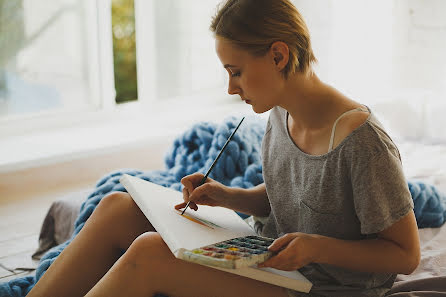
203, 180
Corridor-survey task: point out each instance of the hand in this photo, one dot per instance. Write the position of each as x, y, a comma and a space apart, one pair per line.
210, 193
294, 250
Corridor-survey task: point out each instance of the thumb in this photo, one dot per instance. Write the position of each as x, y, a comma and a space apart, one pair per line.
281, 242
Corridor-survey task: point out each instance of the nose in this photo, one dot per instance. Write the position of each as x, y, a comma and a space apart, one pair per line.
233, 89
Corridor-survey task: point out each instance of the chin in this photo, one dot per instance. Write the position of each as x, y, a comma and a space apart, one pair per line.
261, 109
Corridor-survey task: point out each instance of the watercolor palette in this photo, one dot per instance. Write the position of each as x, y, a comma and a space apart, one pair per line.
234, 253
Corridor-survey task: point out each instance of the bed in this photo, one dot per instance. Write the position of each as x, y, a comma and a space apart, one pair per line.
417, 124
425, 162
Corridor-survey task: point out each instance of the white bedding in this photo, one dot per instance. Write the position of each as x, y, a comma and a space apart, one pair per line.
433, 254
424, 162
427, 163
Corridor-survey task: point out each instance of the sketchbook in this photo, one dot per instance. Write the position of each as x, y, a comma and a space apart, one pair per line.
204, 227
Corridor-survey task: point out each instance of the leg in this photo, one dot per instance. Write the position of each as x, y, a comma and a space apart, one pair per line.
148, 267
112, 227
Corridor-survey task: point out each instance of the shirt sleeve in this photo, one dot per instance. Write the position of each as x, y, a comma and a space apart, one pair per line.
380, 191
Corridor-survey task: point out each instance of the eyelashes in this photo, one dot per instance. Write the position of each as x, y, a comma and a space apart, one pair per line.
232, 72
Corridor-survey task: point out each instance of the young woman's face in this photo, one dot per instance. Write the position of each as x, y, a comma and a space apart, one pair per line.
254, 79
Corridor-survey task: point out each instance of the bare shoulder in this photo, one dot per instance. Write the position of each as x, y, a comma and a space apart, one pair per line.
354, 120
348, 124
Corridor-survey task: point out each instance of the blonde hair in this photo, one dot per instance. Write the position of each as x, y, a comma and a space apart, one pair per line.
254, 25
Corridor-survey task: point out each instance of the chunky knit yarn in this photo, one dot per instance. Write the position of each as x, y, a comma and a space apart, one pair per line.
239, 166
429, 204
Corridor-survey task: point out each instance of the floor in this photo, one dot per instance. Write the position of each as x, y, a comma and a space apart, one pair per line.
26, 196
19, 234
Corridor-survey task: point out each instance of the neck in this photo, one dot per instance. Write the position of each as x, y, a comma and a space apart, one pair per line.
308, 101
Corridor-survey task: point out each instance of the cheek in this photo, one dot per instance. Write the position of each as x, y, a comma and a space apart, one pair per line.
264, 86
257, 82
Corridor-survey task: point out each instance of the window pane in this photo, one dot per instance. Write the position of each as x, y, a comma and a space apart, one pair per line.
178, 53
124, 50
44, 56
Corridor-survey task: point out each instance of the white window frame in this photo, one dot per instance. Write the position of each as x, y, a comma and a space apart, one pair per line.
51, 137
145, 51
99, 55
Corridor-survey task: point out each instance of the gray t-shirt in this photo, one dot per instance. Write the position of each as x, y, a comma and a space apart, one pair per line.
352, 192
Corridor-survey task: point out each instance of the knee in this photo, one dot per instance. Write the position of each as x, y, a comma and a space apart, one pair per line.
149, 246
147, 257
148, 241
116, 203
115, 200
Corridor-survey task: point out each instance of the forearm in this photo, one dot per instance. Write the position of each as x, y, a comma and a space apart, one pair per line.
253, 201
371, 255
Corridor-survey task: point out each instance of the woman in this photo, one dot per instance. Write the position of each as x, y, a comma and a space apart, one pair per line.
334, 196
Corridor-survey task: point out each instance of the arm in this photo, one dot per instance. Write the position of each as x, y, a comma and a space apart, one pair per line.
396, 250
252, 201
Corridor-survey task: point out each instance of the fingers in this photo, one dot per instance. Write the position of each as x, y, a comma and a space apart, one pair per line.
281, 261
193, 206
186, 194
191, 181
284, 259
198, 192
187, 185
186, 198
293, 252
183, 205
202, 194
180, 206
281, 242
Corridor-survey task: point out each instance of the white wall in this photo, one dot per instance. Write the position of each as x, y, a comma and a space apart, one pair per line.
389, 54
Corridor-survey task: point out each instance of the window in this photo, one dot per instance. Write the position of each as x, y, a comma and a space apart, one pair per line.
75, 56
62, 76
175, 49
47, 61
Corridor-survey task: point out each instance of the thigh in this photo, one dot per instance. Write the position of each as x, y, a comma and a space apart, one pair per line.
119, 215
174, 277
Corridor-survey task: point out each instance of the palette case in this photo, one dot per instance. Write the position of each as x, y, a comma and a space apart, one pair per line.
233, 253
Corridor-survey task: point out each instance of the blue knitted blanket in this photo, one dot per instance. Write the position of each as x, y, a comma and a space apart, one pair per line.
239, 166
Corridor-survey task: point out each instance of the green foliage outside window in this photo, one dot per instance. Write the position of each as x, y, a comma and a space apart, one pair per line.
124, 50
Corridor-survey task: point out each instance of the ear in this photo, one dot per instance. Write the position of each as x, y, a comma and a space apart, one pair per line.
280, 53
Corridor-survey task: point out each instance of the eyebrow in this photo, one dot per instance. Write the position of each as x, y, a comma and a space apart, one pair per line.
229, 65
